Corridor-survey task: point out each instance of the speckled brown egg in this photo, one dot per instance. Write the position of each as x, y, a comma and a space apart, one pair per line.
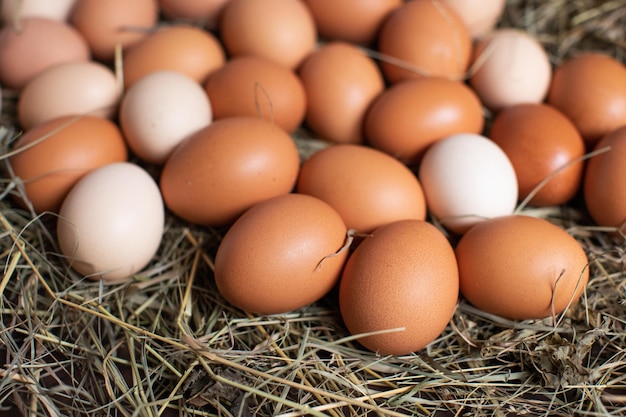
281, 255
540, 141
401, 281
521, 267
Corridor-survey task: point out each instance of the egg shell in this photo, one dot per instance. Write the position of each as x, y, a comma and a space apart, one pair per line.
605, 181
281, 255
427, 37
521, 267
590, 89
510, 67
15, 10
410, 116
480, 16
353, 21
281, 30
53, 156
87, 88
403, 277
205, 11
35, 45
219, 172
367, 187
341, 82
540, 141
159, 111
256, 86
111, 223
106, 24
183, 48
467, 178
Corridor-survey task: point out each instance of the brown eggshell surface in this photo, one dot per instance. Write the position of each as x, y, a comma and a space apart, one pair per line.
57, 153
367, 187
521, 267
409, 117
281, 255
429, 37
590, 89
539, 140
404, 279
227, 167
257, 86
206, 11
341, 82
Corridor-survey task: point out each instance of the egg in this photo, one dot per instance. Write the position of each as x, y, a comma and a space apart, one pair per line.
521, 267
341, 82
219, 172
50, 158
401, 282
159, 111
540, 143
88, 88
111, 223
281, 255
590, 89
106, 24
480, 16
14, 10
367, 187
467, 178
510, 67
256, 86
183, 48
205, 11
353, 21
424, 38
281, 30
35, 45
604, 182
410, 116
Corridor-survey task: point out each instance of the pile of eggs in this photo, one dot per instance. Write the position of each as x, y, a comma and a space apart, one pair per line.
413, 201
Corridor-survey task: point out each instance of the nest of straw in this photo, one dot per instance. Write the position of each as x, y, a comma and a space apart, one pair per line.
167, 344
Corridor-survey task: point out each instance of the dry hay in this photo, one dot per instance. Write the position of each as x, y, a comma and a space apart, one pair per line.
167, 344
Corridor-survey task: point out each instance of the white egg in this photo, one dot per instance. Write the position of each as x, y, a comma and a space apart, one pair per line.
50, 9
480, 16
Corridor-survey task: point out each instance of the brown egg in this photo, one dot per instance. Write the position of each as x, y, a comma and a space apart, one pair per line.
206, 11
54, 155
186, 49
605, 181
410, 116
539, 140
105, 24
367, 187
224, 169
36, 45
281, 30
257, 86
403, 279
521, 267
427, 36
341, 82
281, 255
591, 90
355, 21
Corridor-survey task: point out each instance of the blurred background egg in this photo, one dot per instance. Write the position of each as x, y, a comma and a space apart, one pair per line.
480, 16
72, 88
15, 10
281, 30
205, 11
159, 111
367, 187
510, 67
429, 37
250, 85
54, 155
106, 24
111, 223
281, 255
341, 82
403, 279
467, 179
521, 267
35, 45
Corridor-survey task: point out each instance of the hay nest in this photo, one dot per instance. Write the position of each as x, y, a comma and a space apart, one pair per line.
167, 344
